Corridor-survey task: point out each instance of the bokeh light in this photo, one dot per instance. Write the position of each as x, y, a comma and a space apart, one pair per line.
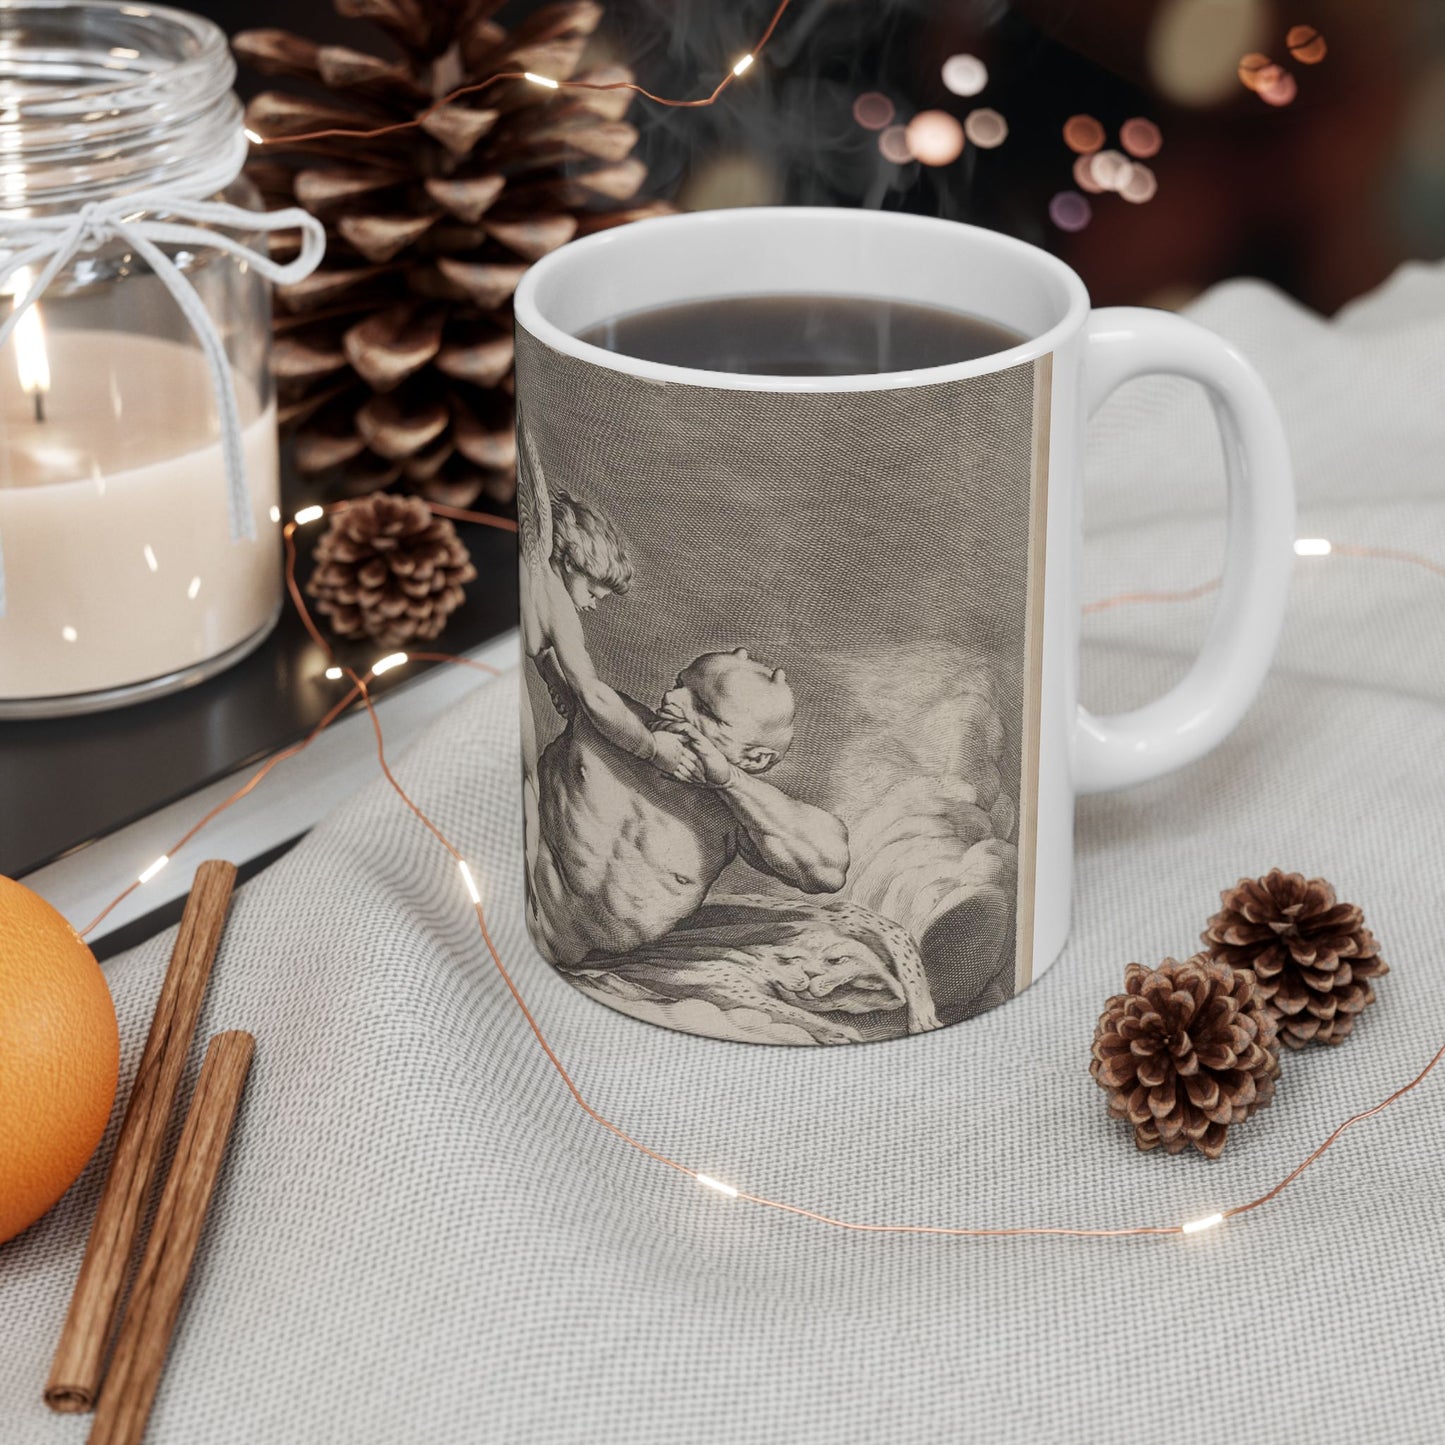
1140, 137
1070, 211
985, 128
965, 74
934, 137
1110, 169
1084, 175
1306, 44
1252, 66
1194, 46
1279, 89
873, 110
1141, 184
1082, 133
1267, 77
894, 145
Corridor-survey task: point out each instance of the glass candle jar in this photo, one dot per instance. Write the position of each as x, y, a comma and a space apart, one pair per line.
128, 571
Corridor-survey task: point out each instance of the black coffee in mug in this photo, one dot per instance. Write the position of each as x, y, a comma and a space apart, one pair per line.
802, 335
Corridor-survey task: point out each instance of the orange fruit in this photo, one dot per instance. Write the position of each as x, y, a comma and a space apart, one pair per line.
59, 1056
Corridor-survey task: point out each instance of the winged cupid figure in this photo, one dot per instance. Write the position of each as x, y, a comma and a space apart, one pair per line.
572, 558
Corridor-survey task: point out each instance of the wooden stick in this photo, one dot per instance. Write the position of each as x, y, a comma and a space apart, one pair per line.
79, 1362
155, 1299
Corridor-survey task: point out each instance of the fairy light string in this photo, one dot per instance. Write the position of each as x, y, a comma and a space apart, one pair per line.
739, 68
1303, 547
333, 673
359, 691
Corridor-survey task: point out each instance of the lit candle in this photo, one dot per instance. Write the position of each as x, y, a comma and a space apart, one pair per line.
113, 514
32, 361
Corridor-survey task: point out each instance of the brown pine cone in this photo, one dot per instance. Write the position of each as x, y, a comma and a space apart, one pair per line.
1313, 957
1185, 1051
388, 570
393, 361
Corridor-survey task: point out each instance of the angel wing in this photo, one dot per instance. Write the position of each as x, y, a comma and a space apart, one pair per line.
534, 503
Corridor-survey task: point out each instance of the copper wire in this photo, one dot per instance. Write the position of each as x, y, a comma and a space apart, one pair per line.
1387, 554
254, 781
505, 524
1129, 599
417, 120
1189, 594
359, 690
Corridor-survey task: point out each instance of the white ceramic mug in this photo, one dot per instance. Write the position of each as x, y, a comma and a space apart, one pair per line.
854, 602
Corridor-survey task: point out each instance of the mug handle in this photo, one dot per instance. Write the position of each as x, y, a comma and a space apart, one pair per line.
1123, 342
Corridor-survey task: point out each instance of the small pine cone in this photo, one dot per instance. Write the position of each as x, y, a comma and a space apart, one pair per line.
1313, 957
387, 569
1184, 1052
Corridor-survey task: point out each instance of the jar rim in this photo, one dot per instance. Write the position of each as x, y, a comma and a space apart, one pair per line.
210, 46
103, 97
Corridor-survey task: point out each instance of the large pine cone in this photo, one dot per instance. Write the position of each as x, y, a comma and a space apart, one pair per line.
394, 360
388, 570
1313, 957
1185, 1051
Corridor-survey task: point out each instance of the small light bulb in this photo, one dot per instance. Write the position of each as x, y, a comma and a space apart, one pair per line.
708, 1182
541, 80
309, 514
69, 634
149, 553
1196, 1226
742, 64
194, 588
469, 880
385, 664
155, 868
275, 513
1312, 547
333, 674
256, 140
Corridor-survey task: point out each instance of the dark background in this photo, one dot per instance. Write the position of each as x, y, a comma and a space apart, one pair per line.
1323, 196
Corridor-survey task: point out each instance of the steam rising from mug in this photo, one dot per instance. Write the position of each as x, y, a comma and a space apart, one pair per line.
793, 138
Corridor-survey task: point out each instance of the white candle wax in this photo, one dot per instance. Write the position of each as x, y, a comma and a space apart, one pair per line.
119, 562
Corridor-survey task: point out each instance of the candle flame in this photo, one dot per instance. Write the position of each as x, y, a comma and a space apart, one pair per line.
32, 361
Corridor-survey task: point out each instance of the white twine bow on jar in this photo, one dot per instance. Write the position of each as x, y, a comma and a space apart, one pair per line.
52, 242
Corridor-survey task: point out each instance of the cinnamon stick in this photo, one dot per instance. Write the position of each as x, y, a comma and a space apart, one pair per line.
155, 1298
79, 1362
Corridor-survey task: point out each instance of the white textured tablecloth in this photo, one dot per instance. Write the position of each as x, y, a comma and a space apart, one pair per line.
418, 1237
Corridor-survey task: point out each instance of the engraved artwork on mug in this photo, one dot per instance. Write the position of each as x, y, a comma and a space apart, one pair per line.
780, 701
